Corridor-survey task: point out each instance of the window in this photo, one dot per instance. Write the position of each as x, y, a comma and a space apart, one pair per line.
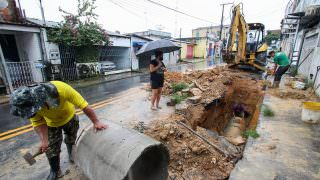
197, 35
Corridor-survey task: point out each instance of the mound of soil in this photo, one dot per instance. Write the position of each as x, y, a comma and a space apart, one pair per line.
190, 156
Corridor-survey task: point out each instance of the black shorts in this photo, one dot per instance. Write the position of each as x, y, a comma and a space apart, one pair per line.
156, 84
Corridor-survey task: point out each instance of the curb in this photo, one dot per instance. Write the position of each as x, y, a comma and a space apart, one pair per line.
101, 82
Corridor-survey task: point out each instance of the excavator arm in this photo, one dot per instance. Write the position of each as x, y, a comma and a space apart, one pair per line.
238, 27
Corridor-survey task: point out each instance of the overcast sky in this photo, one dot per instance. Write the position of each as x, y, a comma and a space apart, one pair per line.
138, 15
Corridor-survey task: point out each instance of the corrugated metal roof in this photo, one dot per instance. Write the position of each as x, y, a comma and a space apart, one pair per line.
39, 22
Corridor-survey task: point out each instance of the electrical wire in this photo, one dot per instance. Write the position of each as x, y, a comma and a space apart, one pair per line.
186, 14
156, 14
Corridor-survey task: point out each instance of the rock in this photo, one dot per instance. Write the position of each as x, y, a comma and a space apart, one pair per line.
181, 108
194, 99
239, 140
197, 149
172, 102
192, 85
164, 135
213, 160
187, 90
210, 79
196, 92
167, 126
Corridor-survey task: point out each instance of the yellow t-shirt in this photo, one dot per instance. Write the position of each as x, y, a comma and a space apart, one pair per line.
59, 116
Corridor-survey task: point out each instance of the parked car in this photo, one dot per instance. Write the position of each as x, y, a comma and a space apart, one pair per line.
107, 66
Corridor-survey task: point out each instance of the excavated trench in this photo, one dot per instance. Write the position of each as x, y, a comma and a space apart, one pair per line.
191, 156
216, 116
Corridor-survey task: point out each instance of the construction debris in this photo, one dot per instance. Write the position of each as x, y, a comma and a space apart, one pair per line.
204, 136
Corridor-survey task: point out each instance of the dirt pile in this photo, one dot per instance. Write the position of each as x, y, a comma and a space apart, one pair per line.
190, 157
219, 89
287, 92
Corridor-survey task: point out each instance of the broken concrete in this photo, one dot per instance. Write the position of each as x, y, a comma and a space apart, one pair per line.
194, 99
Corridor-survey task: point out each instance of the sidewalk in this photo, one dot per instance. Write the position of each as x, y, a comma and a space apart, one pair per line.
286, 149
129, 108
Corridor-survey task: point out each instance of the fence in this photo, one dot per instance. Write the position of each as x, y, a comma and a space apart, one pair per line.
24, 73
68, 63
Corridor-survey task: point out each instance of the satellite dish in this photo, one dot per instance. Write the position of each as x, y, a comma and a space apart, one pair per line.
3, 4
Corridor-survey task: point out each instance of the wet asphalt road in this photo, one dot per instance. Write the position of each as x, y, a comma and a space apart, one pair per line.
99, 92
92, 94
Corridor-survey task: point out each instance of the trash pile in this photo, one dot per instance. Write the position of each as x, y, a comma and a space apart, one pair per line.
204, 135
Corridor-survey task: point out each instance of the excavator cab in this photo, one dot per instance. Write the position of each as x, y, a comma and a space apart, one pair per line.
246, 45
256, 48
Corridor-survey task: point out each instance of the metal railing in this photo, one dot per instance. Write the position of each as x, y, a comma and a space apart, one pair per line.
21, 73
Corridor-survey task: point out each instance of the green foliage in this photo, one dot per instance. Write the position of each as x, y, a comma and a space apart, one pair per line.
267, 112
85, 54
179, 86
80, 29
177, 99
270, 37
250, 133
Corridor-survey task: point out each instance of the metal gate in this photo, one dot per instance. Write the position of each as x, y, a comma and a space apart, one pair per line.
68, 63
20, 73
118, 55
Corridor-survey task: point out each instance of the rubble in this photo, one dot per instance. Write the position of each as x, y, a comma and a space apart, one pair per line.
194, 99
213, 142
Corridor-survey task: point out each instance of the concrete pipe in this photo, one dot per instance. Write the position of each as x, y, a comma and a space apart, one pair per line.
120, 153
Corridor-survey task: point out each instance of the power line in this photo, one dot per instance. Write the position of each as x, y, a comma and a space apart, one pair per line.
186, 14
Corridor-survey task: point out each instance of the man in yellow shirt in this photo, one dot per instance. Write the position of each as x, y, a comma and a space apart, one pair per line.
51, 110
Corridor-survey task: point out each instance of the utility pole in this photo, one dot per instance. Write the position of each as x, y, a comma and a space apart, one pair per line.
180, 44
43, 34
221, 25
42, 14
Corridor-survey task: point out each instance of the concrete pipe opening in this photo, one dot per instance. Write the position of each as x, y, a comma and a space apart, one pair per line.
120, 153
152, 164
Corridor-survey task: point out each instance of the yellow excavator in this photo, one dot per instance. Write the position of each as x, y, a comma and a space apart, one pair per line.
246, 45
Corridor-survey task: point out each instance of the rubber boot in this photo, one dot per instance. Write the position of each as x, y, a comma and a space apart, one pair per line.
55, 172
69, 148
276, 84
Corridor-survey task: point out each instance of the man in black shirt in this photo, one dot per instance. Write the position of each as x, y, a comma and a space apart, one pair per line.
157, 69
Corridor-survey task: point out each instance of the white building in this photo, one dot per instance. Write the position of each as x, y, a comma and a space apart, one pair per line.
301, 38
21, 46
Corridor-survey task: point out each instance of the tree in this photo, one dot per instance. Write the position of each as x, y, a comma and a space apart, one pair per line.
81, 31
271, 37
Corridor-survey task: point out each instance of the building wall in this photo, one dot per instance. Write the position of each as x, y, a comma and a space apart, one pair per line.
119, 41
29, 49
184, 50
310, 61
213, 32
134, 59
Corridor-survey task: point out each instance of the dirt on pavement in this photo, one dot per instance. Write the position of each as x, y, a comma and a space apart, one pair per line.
220, 89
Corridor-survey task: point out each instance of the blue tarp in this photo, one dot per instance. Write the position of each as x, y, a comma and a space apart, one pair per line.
135, 43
